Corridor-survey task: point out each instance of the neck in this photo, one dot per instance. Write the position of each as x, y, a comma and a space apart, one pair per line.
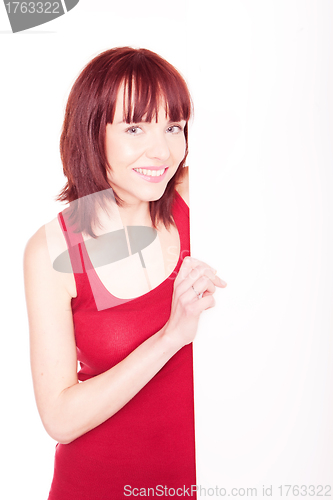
135, 215
112, 217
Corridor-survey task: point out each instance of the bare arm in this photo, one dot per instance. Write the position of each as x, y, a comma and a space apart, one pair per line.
69, 409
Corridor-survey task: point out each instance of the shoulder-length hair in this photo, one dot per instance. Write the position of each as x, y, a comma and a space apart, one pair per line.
147, 78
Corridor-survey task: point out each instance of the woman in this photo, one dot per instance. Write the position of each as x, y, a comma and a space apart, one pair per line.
110, 284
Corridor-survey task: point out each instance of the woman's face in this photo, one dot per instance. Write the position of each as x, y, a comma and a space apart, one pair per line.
143, 156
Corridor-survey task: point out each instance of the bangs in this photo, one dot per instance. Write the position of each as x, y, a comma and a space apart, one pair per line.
147, 86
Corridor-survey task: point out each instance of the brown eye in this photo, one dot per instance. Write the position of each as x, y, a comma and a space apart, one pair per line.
134, 130
174, 129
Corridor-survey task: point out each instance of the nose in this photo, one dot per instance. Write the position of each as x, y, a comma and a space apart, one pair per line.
158, 147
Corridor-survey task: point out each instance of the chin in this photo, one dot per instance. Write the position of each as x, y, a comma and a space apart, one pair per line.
153, 194
158, 197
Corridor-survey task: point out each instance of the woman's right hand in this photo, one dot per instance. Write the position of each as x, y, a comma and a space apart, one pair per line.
194, 278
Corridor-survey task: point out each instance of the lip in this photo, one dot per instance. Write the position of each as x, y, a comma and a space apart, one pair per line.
151, 178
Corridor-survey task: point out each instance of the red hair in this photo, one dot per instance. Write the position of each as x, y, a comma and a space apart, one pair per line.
147, 78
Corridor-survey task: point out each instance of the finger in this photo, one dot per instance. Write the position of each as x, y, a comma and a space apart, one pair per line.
204, 270
214, 277
188, 264
197, 268
191, 265
193, 287
206, 302
203, 285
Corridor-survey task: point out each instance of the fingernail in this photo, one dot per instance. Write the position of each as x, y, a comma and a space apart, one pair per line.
224, 283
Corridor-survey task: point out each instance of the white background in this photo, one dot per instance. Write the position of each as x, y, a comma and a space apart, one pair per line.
261, 184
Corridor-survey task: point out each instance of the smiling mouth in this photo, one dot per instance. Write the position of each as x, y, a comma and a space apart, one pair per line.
150, 172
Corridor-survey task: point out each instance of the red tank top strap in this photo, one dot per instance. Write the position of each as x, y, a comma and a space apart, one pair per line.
73, 241
181, 215
88, 285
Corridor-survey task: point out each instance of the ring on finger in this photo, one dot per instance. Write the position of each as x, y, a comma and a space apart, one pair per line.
199, 295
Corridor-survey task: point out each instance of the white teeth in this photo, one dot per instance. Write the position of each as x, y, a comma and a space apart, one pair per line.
151, 173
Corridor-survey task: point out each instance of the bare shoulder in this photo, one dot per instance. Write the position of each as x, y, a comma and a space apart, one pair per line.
183, 186
46, 242
40, 252
36, 250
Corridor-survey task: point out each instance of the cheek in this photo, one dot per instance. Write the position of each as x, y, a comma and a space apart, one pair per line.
118, 153
109, 150
180, 149
126, 152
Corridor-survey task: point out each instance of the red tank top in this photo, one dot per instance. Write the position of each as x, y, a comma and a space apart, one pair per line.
149, 443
